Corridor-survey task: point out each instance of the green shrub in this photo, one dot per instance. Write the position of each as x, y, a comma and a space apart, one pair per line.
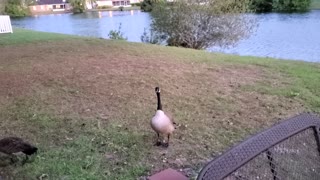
14, 8
261, 5
291, 5
146, 5
78, 5
151, 37
104, 7
136, 4
117, 34
2, 5
280, 5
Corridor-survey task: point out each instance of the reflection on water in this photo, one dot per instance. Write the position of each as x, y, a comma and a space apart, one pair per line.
287, 36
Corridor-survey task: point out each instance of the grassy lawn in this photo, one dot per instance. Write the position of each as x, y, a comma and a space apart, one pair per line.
315, 4
87, 103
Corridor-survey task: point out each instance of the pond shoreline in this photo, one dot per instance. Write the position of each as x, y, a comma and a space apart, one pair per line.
279, 35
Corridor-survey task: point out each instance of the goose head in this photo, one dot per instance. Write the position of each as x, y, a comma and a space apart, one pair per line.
157, 89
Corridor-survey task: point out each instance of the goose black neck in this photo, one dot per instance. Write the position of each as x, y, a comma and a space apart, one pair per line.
159, 101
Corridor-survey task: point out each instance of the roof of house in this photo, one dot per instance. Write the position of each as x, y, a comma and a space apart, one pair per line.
44, 2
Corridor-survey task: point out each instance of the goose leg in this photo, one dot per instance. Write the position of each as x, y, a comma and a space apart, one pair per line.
158, 143
167, 144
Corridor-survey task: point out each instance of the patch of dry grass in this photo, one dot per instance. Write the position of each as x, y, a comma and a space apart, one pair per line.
87, 104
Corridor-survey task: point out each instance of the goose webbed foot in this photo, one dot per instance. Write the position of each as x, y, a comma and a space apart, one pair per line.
166, 145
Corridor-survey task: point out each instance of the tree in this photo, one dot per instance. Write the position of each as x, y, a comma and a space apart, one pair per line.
280, 5
78, 6
2, 5
146, 5
262, 5
16, 8
291, 5
201, 24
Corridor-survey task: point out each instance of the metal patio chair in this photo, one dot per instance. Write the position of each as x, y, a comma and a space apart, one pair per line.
289, 150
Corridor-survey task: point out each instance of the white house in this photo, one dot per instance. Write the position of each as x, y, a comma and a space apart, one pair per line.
116, 3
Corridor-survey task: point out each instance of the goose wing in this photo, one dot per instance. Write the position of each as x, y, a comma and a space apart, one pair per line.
169, 115
13, 145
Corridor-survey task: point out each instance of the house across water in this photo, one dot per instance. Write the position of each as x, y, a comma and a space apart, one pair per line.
60, 6
47, 6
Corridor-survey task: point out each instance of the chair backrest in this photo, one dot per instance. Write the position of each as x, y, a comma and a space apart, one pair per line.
5, 24
289, 150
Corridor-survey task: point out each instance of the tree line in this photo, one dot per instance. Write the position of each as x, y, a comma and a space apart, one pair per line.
15, 8
280, 5
257, 5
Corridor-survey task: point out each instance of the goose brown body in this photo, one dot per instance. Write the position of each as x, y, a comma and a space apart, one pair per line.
12, 145
161, 123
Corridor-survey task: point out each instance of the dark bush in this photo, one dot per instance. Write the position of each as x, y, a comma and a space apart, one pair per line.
78, 6
291, 5
280, 5
262, 5
136, 4
146, 5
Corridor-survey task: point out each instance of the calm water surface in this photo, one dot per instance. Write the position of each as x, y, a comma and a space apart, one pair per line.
286, 36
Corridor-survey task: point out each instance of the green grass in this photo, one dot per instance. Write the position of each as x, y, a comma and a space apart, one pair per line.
87, 103
21, 36
301, 85
76, 151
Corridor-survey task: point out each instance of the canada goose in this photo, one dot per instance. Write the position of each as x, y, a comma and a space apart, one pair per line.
10, 145
161, 123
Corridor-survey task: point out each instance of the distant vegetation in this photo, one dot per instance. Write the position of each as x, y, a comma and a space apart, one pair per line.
262, 5
280, 5
135, 4
16, 8
104, 7
117, 34
315, 4
147, 5
2, 4
78, 5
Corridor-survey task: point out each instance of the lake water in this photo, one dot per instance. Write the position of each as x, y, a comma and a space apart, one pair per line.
286, 36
